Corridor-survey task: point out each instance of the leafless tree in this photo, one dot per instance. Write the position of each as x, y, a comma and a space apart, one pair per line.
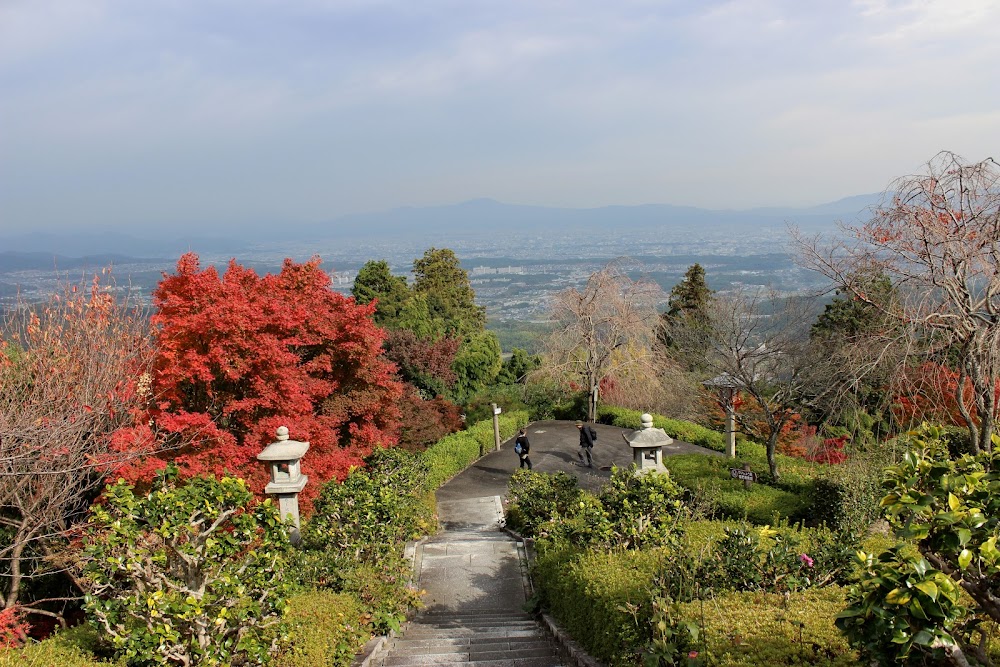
73, 372
937, 236
761, 342
607, 327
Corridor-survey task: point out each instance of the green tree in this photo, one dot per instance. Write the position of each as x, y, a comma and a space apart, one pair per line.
440, 278
477, 363
688, 310
189, 574
858, 337
515, 369
375, 281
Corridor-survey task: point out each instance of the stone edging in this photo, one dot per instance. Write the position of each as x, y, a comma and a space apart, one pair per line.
376, 646
575, 652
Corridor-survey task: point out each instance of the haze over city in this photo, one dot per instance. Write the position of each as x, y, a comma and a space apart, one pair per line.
209, 115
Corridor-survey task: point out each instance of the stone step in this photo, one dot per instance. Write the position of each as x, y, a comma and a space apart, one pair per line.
456, 633
468, 644
508, 661
472, 615
450, 535
458, 654
473, 625
445, 622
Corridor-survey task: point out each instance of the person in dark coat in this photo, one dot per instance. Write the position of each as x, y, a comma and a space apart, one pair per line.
586, 444
522, 440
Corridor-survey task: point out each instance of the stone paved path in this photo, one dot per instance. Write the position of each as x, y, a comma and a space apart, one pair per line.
475, 575
476, 584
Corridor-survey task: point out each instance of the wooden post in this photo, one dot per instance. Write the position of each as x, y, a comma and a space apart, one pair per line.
496, 425
746, 482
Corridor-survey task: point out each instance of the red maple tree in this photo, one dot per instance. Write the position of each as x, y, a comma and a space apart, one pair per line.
240, 354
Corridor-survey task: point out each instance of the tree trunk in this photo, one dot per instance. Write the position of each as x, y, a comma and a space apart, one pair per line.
772, 459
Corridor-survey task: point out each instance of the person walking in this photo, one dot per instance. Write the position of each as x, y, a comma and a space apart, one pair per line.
586, 443
522, 447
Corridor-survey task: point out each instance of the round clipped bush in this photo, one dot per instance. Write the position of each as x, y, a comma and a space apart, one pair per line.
189, 574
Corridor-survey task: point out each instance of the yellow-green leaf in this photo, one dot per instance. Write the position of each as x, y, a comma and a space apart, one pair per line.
928, 588
898, 596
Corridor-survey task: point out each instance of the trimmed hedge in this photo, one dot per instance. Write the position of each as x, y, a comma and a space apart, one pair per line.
844, 496
605, 599
326, 629
454, 453
591, 593
675, 428
751, 629
707, 478
67, 648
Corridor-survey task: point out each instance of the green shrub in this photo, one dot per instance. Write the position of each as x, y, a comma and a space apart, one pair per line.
750, 629
602, 599
190, 573
535, 498
60, 650
326, 630
373, 512
643, 510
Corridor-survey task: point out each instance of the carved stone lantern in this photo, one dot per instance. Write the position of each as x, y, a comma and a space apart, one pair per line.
287, 480
647, 446
726, 386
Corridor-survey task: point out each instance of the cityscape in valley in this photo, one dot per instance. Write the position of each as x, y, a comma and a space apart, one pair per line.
514, 271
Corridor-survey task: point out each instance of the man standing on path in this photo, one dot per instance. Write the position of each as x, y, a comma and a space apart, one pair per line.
586, 443
523, 448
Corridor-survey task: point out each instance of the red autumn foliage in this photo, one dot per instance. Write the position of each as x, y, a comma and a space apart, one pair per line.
831, 452
928, 393
809, 446
424, 362
426, 421
13, 629
240, 355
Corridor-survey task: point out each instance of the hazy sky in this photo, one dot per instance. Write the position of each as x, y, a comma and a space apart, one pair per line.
139, 113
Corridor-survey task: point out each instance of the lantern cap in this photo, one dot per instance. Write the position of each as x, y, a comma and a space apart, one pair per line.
284, 449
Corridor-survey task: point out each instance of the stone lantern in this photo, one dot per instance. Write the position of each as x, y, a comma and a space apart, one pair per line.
647, 446
287, 480
725, 386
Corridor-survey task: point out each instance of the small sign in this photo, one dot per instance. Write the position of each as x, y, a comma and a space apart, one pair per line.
745, 475
497, 411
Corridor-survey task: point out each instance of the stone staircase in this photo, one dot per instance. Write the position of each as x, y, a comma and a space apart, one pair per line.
479, 639
476, 583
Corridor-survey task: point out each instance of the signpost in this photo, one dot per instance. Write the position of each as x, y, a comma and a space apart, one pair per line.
744, 474
496, 425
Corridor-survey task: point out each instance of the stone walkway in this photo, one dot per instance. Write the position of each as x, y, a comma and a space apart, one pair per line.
476, 582
475, 575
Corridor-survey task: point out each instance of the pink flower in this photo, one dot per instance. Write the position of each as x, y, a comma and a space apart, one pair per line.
692, 655
806, 560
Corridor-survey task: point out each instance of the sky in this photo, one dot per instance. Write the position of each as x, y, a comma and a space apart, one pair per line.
140, 114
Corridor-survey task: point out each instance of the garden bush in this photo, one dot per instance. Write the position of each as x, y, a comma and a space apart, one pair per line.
601, 598
535, 498
750, 629
326, 630
190, 573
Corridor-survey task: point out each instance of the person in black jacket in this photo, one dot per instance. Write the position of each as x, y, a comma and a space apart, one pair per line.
586, 443
522, 440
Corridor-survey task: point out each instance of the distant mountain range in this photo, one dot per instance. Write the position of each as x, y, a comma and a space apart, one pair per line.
472, 218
